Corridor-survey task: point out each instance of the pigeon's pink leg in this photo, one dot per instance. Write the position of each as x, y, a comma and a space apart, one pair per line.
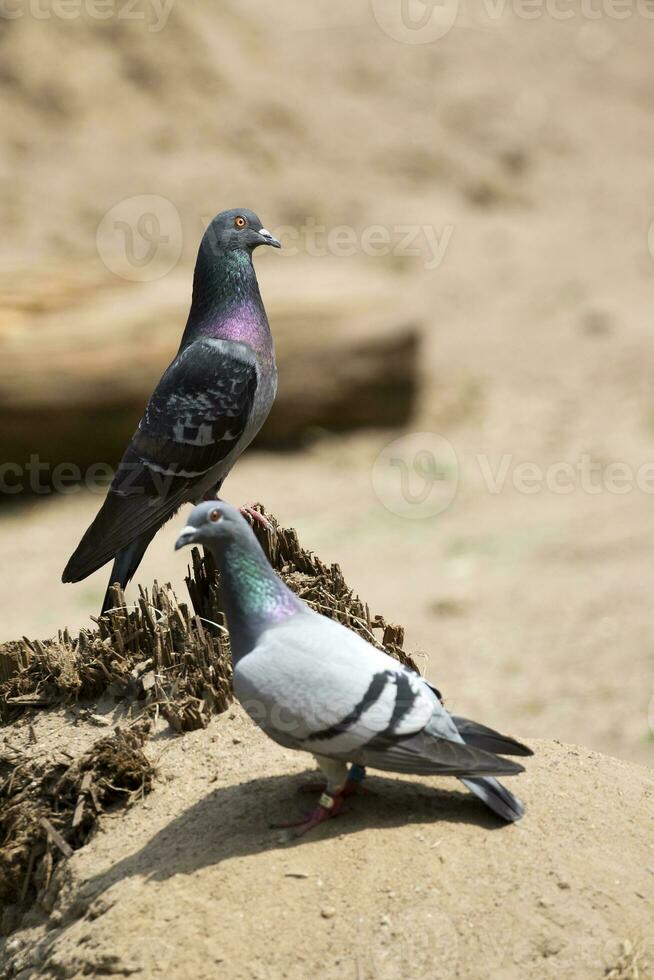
339, 784
331, 800
329, 806
249, 511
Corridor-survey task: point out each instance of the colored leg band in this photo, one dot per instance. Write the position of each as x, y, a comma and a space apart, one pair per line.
357, 774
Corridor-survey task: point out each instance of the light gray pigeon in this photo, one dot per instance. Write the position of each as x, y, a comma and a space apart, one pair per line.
313, 685
206, 409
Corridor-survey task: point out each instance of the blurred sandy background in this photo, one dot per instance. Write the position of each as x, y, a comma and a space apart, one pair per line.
525, 146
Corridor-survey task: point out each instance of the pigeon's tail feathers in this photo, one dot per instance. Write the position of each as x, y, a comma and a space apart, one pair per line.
125, 565
89, 555
120, 521
496, 797
485, 738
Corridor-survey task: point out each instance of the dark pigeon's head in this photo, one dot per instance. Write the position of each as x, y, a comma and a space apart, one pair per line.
237, 229
212, 523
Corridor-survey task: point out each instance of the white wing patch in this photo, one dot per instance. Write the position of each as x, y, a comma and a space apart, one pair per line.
371, 721
421, 709
401, 707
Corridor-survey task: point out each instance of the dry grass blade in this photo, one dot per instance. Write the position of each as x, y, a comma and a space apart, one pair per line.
630, 963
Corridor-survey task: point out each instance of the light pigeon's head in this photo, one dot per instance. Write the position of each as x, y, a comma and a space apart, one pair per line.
237, 229
211, 523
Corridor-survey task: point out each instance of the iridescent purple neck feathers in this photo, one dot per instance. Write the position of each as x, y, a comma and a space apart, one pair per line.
226, 302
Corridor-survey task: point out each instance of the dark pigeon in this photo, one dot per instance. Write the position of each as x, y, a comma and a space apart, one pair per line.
208, 406
313, 685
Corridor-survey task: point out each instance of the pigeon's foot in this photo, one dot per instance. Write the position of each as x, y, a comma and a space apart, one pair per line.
256, 516
329, 806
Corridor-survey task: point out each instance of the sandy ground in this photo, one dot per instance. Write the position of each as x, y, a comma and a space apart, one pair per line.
415, 879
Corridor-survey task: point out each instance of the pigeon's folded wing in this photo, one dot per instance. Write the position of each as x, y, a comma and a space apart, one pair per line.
486, 738
312, 684
316, 685
199, 410
196, 416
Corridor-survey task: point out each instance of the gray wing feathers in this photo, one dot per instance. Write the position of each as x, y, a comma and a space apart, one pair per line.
485, 738
432, 755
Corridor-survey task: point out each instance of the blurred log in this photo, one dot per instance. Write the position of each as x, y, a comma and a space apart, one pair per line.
80, 354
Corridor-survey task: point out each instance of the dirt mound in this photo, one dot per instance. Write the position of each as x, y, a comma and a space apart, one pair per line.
416, 879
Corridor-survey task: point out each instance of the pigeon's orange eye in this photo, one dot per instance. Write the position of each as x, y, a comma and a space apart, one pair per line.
239, 222
215, 515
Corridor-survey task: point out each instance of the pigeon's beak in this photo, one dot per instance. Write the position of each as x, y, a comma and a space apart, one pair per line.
268, 239
186, 537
